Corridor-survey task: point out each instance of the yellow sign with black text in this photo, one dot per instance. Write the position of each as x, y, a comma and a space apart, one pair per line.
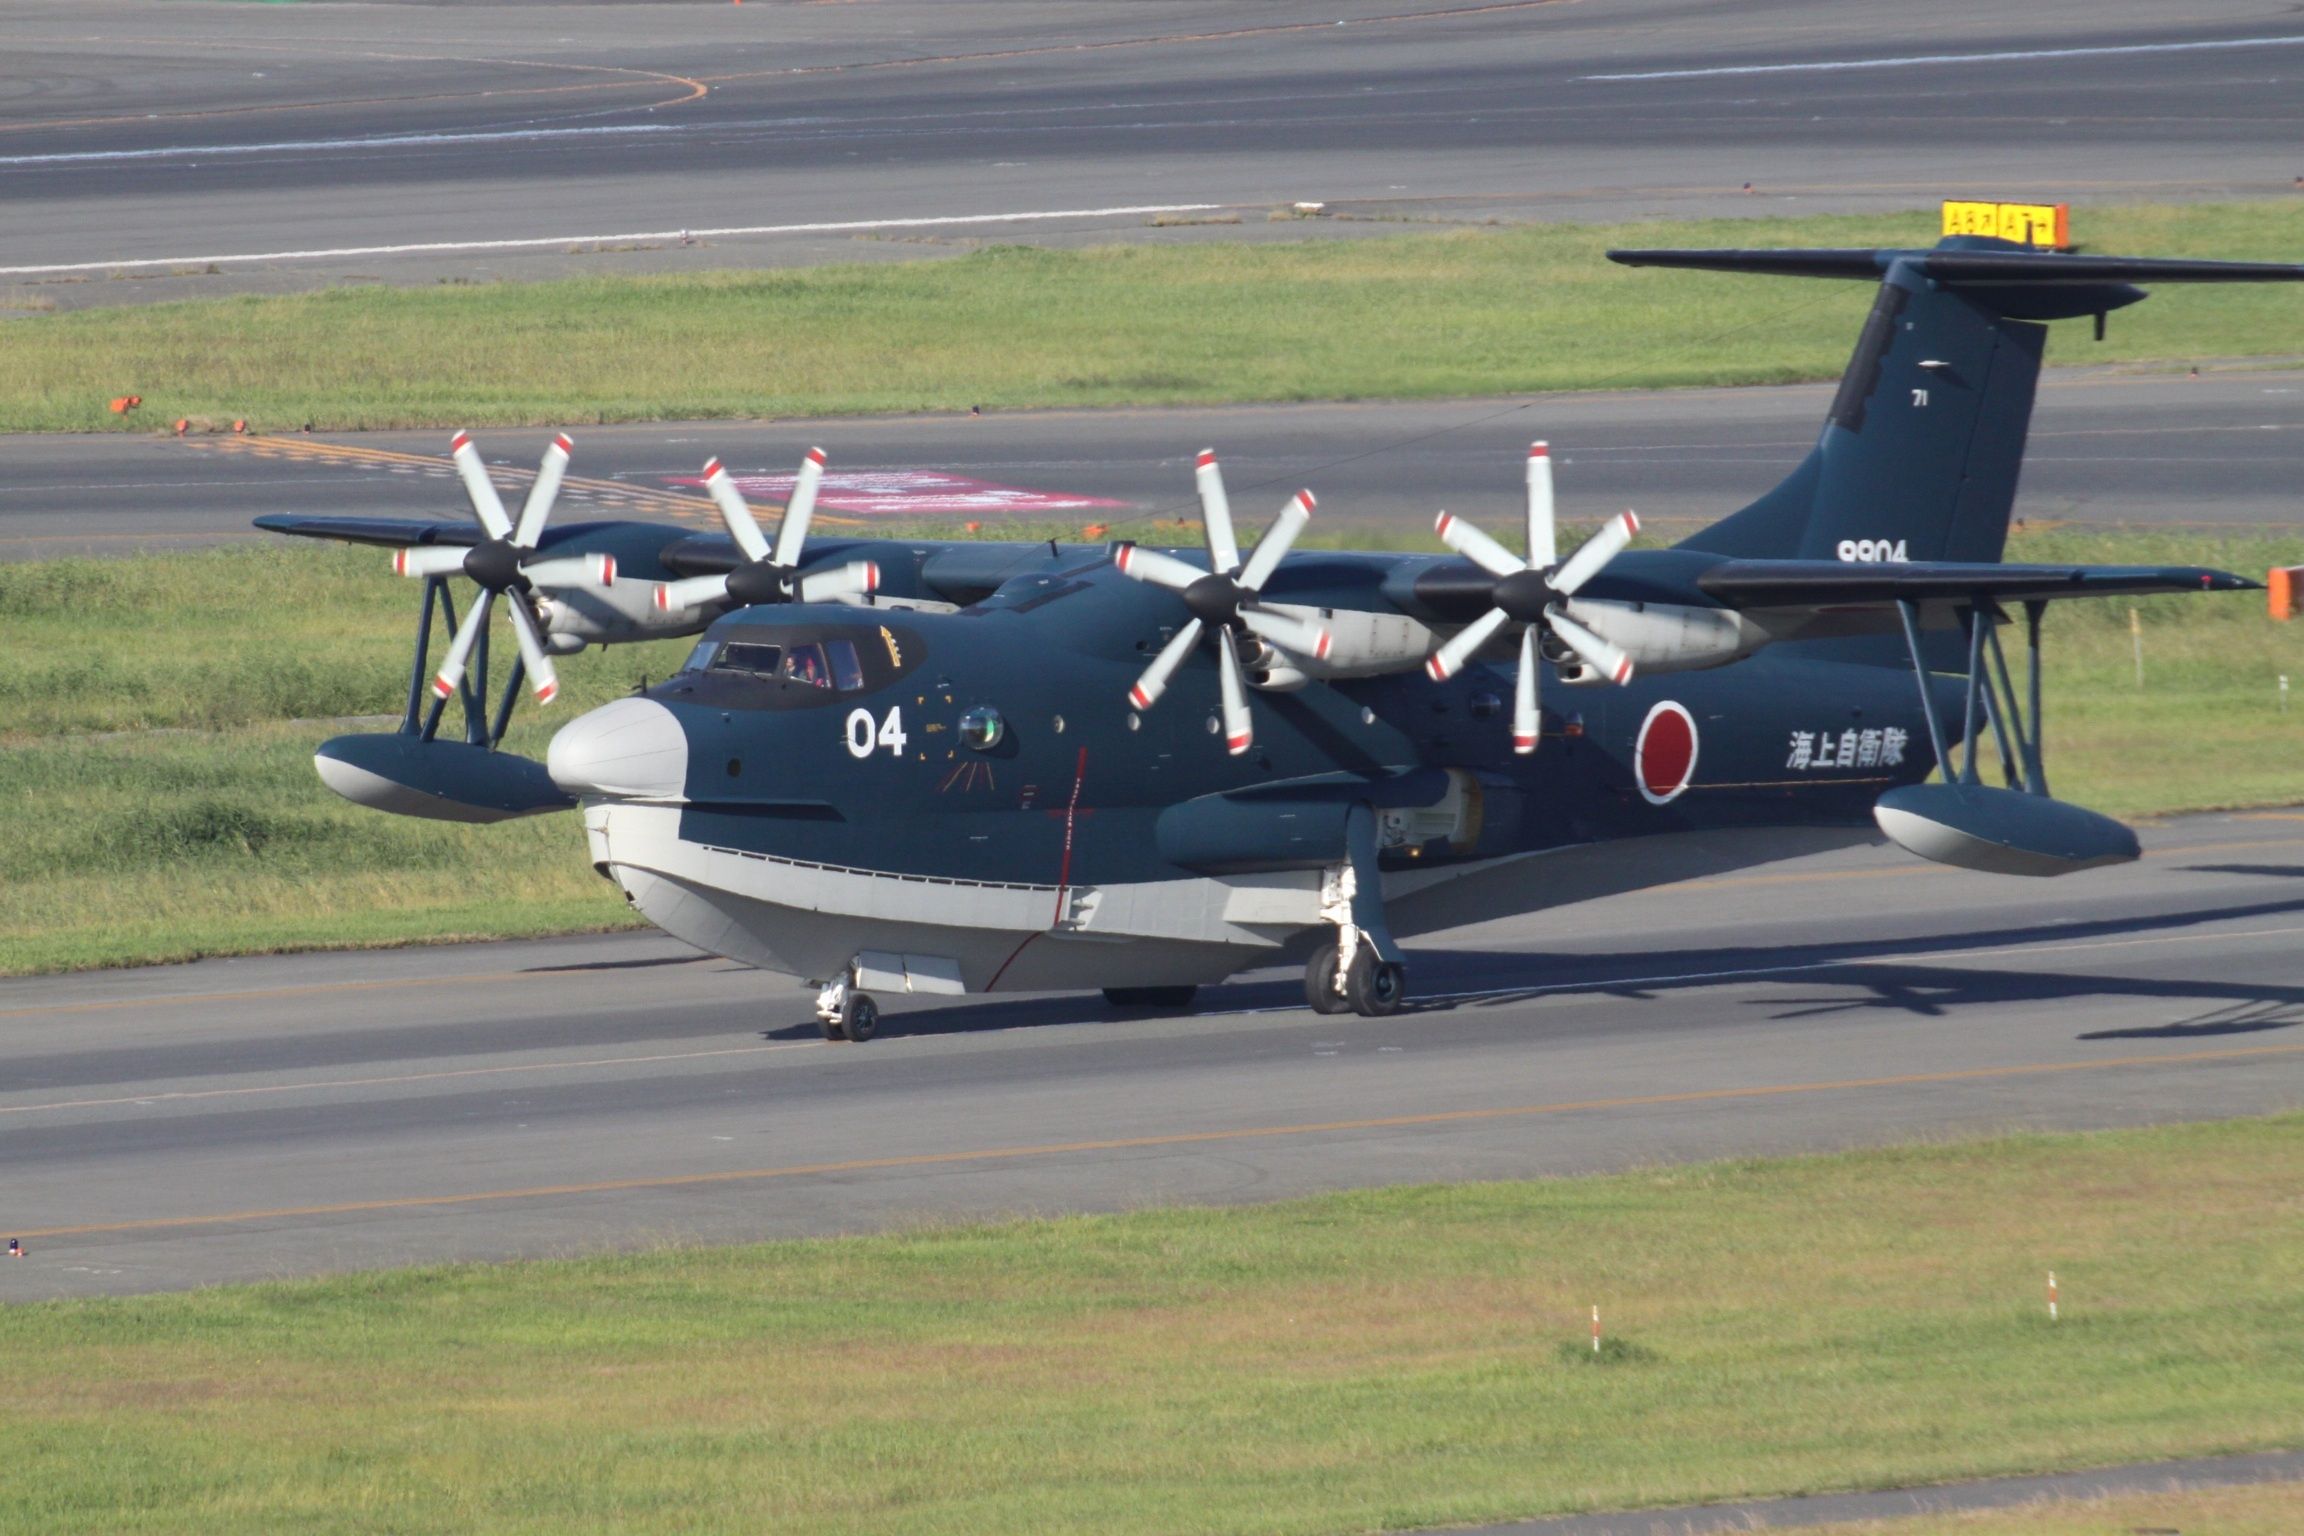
2046, 225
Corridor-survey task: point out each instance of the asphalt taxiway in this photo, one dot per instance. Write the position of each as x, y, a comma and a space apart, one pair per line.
143, 143
235, 1120
2107, 448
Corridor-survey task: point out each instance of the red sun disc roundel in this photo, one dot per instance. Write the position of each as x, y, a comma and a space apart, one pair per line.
1664, 758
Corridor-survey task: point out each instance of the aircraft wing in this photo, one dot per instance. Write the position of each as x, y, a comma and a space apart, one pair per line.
386, 532
1832, 599
1837, 584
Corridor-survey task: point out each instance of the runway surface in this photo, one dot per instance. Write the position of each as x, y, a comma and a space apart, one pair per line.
235, 1120
2106, 449
141, 141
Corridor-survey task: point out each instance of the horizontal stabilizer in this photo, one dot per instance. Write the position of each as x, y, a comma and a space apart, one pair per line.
1820, 584
388, 532
2001, 265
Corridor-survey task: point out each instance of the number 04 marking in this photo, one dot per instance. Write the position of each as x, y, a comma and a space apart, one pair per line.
863, 735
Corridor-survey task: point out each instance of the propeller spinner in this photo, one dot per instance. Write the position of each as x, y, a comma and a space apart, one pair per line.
506, 562
1224, 600
769, 575
1534, 593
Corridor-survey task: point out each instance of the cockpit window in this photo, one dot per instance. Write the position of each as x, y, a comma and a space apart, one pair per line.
805, 663
754, 665
847, 671
746, 656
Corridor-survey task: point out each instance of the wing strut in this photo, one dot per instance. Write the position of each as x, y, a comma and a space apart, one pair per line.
480, 730
1990, 692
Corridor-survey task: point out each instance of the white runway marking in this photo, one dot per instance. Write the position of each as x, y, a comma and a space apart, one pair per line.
1914, 61
441, 246
305, 146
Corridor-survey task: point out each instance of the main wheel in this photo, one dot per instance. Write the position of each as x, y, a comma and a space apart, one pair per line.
1375, 991
1320, 982
860, 1019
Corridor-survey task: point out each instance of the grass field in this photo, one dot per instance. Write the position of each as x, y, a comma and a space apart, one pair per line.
1367, 1361
159, 725
1472, 311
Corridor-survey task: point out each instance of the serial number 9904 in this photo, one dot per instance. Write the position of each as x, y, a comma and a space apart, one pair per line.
1871, 551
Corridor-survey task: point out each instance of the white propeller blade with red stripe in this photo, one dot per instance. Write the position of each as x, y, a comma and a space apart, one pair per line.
506, 561
1531, 591
769, 573
1224, 599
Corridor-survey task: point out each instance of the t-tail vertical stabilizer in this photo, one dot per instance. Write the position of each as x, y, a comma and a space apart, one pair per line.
1922, 446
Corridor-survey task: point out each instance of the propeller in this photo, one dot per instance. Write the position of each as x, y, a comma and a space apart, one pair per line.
1535, 593
1224, 600
506, 562
769, 575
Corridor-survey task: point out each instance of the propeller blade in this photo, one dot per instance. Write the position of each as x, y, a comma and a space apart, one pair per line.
541, 677
429, 560
1154, 682
1525, 723
1216, 514
1612, 662
792, 533
686, 596
591, 572
543, 493
841, 583
743, 527
1273, 547
1476, 546
1239, 729
1298, 636
1152, 566
487, 506
1595, 552
451, 673
1449, 660
1542, 550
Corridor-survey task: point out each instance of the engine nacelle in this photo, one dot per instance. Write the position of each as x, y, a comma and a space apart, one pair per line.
1670, 637
613, 615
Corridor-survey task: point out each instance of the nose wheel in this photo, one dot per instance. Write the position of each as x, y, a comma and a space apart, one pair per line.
846, 1013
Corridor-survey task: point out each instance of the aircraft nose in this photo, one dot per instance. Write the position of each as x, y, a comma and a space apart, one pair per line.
633, 749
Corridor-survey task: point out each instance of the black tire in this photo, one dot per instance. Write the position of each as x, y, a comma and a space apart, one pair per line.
1320, 992
1375, 991
861, 1018
835, 1028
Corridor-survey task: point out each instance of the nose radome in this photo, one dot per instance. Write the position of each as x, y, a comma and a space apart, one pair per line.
633, 749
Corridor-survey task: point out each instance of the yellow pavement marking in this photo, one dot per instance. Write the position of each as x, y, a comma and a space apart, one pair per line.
695, 509
1174, 1139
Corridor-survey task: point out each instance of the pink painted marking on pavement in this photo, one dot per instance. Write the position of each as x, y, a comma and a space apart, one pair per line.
917, 492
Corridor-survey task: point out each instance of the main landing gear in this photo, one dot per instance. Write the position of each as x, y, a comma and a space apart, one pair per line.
846, 1013
1363, 969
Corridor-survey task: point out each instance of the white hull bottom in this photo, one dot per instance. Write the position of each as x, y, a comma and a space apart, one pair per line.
811, 920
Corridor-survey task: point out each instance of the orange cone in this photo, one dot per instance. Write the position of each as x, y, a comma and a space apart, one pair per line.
183, 425
240, 425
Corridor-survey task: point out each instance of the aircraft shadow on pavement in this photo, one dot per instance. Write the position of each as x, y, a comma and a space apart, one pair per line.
1924, 989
